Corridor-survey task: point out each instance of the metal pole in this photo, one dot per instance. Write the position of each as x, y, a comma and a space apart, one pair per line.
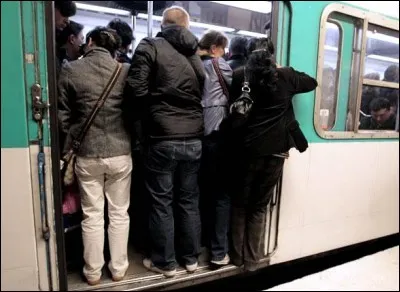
133, 20
150, 18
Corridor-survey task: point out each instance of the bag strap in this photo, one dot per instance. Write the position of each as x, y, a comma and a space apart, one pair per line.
246, 85
220, 78
100, 102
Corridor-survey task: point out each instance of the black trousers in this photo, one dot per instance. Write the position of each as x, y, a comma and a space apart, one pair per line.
255, 182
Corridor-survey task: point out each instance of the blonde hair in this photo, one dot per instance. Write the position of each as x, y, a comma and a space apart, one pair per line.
176, 15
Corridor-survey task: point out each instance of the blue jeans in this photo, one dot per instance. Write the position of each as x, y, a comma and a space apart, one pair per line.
168, 163
215, 200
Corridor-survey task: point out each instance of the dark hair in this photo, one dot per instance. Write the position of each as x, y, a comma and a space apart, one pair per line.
238, 46
213, 37
392, 73
261, 67
260, 43
105, 38
123, 30
73, 28
378, 104
66, 8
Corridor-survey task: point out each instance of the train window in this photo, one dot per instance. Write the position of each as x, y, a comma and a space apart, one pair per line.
329, 85
91, 16
358, 75
231, 17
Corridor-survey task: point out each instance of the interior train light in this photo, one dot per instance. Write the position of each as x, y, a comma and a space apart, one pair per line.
145, 16
96, 8
330, 48
383, 58
192, 23
256, 6
382, 37
252, 34
211, 26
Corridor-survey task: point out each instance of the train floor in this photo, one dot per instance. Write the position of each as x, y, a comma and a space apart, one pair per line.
136, 272
376, 272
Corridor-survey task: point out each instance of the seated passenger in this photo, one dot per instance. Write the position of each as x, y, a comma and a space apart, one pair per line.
126, 34
237, 52
103, 164
392, 94
381, 116
261, 144
368, 94
165, 80
215, 110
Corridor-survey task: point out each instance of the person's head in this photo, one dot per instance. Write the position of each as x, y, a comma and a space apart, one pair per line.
261, 66
213, 43
260, 43
371, 90
63, 10
391, 74
380, 110
175, 15
124, 31
103, 37
71, 38
238, 46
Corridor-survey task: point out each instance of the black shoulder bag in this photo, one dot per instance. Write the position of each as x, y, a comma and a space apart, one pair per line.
241, 107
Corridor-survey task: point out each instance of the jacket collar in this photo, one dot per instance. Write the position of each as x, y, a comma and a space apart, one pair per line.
95, 51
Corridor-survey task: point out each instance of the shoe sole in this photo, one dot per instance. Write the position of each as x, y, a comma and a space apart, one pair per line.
168, 274
191, 270
118, 279
94, 283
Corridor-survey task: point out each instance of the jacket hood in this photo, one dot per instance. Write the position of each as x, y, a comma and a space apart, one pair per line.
180, 38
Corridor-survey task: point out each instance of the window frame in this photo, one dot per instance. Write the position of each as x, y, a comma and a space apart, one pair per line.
367, 18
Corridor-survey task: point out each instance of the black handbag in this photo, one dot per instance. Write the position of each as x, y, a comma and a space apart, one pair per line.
240, 109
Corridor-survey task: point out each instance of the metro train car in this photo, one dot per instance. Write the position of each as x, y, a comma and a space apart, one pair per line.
342, 191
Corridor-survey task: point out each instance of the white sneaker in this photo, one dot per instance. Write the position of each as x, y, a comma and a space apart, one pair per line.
222, 262
191, 268
150, 266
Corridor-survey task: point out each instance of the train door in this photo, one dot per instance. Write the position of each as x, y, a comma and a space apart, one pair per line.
28, 234
233, 21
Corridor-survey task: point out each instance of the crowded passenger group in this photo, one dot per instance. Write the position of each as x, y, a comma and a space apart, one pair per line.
210, 134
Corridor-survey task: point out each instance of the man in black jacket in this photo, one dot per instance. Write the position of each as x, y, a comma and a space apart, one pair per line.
165, 83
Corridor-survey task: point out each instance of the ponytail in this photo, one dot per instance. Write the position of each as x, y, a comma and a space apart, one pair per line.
261, 66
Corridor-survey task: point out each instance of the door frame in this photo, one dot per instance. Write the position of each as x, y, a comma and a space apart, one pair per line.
54, 143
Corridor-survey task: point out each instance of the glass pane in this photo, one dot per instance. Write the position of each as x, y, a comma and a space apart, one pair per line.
382, 64
234, 18
382, 56
330, 77
379, 108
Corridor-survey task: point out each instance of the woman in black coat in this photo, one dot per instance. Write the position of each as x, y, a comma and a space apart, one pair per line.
261, 145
